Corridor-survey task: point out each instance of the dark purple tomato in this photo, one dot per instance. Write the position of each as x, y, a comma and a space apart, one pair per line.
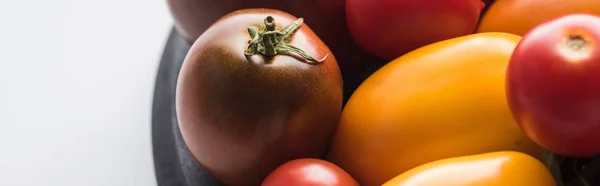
253, 94
326, 17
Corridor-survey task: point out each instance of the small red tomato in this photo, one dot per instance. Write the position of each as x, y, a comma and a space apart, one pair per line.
309, 172
553, 85
390, 28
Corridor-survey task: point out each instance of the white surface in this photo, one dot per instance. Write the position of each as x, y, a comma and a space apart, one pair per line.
76, 84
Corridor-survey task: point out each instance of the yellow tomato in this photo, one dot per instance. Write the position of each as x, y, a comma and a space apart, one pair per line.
520, 16
505, 168
443, 100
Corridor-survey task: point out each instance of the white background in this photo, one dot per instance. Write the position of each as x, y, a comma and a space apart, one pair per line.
76, 84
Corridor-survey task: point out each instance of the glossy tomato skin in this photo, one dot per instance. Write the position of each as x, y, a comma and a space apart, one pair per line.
524, 15
444, 100
325, 17
390, 28
554, 90
241, 117
309, 172
493, 168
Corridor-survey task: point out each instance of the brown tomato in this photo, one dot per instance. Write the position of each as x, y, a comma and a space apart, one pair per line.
246, 100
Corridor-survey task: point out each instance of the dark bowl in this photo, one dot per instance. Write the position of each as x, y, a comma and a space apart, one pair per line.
173, 163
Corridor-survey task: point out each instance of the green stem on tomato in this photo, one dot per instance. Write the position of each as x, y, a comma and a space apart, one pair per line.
271, 42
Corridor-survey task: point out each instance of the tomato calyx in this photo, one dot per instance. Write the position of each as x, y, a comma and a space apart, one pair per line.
271, 42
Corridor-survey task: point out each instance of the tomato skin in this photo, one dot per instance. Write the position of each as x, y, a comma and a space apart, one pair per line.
242, 116
444, 100
309, 172
524, 15
555, 96
390, 28
493, 168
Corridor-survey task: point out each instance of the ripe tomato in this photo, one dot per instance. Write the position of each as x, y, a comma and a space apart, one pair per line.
493, 168
553, 85
520, 16
390, 28
242, 115
444, 100
309, 172
326, 17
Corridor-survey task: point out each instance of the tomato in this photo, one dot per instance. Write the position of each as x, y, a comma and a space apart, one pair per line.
493, 168
309, 172
244, 108
553, 85
390, 28
520, 16
444, 100
327, 19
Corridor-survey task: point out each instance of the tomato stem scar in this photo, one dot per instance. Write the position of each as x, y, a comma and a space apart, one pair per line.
576, 42
574, 47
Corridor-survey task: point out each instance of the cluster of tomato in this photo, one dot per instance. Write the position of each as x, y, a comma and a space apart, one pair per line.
392, 92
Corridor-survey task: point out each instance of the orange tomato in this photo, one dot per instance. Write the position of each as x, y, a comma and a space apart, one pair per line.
506, 168
520, 16
443, 100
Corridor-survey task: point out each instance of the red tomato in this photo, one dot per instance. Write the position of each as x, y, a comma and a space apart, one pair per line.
553, 85
309, 172
390, 28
